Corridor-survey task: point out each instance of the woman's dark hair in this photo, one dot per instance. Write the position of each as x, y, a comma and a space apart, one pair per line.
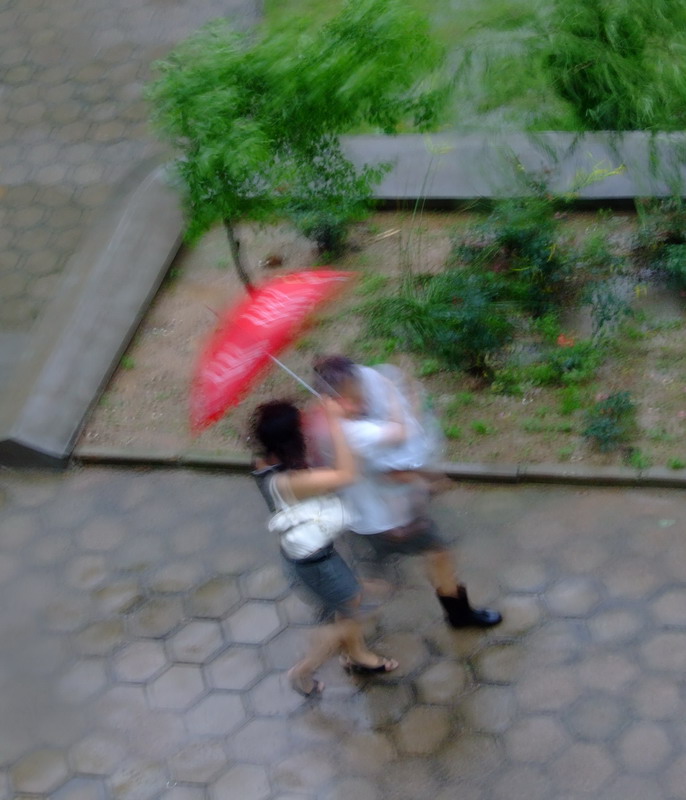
332, 372
277, 427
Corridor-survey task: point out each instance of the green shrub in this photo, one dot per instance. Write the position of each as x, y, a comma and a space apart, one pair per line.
455, 316
672, 261
482, 428
676, 463
611, 421
452, 431
566, 365
519, 241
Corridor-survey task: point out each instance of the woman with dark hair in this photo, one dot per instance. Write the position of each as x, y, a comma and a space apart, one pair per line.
284, 480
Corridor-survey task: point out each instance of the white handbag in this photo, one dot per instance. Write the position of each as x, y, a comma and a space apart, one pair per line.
309, 525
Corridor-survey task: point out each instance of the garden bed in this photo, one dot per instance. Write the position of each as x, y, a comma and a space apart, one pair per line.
486, 419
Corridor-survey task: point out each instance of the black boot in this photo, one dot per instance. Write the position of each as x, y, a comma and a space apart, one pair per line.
460, 614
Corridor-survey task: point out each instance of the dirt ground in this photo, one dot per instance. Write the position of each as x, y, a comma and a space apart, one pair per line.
145, 406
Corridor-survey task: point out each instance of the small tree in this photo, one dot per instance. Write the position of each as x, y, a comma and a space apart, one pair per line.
256, 119
621, 64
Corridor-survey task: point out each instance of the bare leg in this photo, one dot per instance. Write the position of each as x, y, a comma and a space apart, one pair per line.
442, 572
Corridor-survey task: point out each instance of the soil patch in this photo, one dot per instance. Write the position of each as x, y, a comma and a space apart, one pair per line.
145, 404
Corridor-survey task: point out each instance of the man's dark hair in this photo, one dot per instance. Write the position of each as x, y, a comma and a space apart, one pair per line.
331, 372
276, 426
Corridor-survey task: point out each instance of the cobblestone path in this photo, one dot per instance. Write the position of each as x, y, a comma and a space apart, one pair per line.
147, 629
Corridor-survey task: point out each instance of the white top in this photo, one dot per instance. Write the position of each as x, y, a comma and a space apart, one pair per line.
377, 503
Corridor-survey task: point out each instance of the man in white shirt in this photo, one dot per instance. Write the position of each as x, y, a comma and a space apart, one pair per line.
386, 510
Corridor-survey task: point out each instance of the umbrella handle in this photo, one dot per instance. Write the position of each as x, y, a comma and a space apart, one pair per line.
297, 377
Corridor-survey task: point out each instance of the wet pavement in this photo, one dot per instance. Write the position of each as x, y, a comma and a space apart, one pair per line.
73, 123
147, 630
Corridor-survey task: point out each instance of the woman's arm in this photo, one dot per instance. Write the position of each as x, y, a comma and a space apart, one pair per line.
312, 482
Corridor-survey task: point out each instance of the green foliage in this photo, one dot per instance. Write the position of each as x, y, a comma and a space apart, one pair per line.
562, 366
459, 401
548, 326
482, 428
620, 64
452, 431
455, 316
608, 306
638, 459
518, 241
611, 421
676, 463
570, 400
256, 119
371, 283
565, 453
127, 362
673, 262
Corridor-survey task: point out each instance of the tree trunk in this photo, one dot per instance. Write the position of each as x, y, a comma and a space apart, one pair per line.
236, 255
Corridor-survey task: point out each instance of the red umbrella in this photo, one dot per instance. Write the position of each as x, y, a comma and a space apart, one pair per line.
250, 334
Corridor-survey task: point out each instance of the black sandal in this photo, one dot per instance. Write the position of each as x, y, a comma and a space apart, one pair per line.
385, 665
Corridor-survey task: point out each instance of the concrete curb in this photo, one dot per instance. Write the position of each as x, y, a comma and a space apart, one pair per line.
572, 475
107, 288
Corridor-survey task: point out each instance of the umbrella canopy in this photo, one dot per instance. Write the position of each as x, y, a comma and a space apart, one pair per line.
250, 334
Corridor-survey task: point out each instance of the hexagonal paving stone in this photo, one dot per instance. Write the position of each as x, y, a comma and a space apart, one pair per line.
352, 789
199, 762
546, 689
367, 753
97, 754
157, 617
616, 626
40, 772
137, 780
218, 714
139, 661
266, 583
177, 688
385, 704
611, 672
410, 778
535, 739
631, 787
86, 678
305, 772
236, 668
100, 638
422, 730
253, 623
597, 717
262, 740
185, 793
499, 663
522, 783
157, 734
287, 647
80, 789
242, 781
442, 683
644, 747
658, 698
121, 707
118, 598
214, 599
489, 710
102, 534
582, 768
670, 608
176, 577
273, 695
196, 642
665, 651
572, 597
520, 614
